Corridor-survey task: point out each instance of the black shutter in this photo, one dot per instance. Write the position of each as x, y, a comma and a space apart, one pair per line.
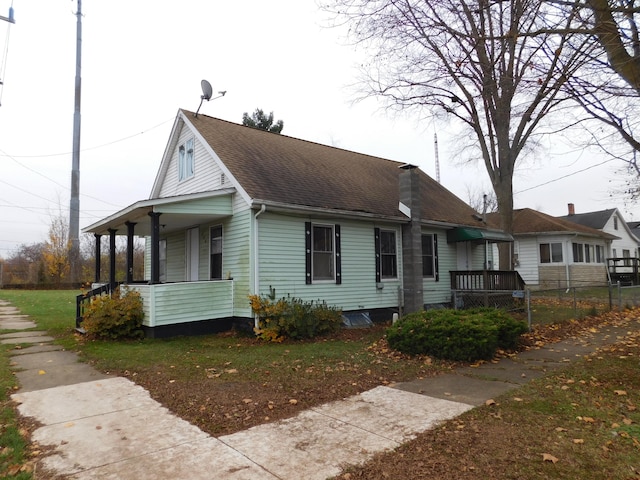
338, 255
435, 257
376, 236
307, 244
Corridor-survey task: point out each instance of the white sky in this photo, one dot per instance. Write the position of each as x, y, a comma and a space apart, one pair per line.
142, 60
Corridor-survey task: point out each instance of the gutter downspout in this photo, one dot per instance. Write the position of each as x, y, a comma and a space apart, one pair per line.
256, 259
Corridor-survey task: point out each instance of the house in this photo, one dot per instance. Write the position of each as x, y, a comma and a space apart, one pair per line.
623, 261
236, 211
551, 252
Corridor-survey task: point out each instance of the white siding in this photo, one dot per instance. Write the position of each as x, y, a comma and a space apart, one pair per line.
207, 172
528, 260
626, 240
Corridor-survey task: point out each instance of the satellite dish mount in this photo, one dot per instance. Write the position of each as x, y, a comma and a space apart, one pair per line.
207, 92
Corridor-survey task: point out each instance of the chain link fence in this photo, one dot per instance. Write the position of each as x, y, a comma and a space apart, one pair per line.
553, 305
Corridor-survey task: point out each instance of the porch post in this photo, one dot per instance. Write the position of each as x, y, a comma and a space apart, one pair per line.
97, 259
412, 239
155, 247
130, 230
112, 258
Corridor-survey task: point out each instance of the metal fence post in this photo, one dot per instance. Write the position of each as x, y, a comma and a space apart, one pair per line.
528, 294
619, 295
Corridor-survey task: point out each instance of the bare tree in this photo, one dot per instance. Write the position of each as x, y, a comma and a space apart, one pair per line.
496, 66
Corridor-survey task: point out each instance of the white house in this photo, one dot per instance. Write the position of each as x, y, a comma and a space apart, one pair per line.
551, 252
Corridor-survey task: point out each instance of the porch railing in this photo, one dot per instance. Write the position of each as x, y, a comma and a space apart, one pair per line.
486, 280
84, 299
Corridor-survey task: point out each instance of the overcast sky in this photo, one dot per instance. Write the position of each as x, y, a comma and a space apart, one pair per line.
142, 60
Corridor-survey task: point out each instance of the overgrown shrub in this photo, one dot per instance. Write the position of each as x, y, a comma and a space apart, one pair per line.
293, 318
115, 317
461, 335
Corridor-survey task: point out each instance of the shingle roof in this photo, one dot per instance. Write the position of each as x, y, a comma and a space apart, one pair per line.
595, 220
527, 221
286, 170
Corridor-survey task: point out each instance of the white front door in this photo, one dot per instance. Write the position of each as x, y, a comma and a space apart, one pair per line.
192, 255
463, 250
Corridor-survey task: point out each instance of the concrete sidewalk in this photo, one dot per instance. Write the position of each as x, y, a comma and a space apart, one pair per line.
103, 427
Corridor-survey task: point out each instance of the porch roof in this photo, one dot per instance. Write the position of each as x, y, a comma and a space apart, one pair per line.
469, 234
178, 213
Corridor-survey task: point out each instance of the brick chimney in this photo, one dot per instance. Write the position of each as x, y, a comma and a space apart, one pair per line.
572, 209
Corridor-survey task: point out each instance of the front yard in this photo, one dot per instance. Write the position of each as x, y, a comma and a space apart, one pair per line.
230, 382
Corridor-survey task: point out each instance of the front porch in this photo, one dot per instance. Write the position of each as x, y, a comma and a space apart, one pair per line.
486, 288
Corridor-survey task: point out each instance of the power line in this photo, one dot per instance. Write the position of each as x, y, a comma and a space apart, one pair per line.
96, 147
564, 176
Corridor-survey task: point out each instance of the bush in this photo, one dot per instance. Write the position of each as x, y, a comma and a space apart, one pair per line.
293, 318
115, 317
461, 335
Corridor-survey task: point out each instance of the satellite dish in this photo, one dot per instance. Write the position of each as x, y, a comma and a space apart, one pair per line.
207, 91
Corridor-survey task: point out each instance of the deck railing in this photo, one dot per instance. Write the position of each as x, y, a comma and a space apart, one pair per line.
486, 280
84, 299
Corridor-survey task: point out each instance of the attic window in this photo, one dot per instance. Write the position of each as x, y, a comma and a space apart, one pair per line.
615, 223
186, 162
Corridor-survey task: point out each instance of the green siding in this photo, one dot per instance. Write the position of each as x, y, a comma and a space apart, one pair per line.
282, 264
440, 291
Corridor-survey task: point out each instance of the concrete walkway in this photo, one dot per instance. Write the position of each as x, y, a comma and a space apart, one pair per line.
103, 427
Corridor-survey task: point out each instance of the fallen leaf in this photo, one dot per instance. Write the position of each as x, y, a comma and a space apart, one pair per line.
578, 441
620, 392
560, 429
490, 402
547, 457
247, 400
41, 372
293, 401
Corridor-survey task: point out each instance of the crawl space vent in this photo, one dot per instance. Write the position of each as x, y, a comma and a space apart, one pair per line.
356, 320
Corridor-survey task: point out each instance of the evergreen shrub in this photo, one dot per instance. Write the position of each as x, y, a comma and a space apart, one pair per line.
460, 335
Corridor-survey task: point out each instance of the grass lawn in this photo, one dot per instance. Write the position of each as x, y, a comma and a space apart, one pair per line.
584, 418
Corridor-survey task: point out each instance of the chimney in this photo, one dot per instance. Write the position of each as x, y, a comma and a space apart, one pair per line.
411, 197
572, 209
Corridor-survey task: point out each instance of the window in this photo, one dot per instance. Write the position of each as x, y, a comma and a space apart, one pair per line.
215, 252
186, 163
551, 252
388, 257
626, 254
599, 254
322, 253
588, 253
430, 256
578, 252
615, 223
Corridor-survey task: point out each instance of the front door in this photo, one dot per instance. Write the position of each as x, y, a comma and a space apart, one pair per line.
193, 254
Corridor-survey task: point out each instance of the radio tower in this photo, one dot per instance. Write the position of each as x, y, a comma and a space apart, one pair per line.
435, 146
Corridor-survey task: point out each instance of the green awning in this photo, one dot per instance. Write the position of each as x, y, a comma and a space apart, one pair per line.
470, 234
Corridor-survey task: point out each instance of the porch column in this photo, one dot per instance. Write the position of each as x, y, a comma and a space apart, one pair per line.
97, 259
155, 247
130, 230
412, 240
112, 258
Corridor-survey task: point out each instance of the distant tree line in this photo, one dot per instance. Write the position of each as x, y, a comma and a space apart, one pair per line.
46, 264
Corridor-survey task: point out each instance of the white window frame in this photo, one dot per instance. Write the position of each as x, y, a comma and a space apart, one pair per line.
323, 255
552, 254
391, 254
186, 160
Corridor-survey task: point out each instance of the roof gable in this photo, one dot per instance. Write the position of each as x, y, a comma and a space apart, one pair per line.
596, 220
287, 171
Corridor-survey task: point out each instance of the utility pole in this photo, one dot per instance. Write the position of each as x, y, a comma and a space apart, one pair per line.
74, 207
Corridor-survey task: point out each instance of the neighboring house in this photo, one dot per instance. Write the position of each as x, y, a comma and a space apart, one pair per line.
609, 221
236, 211
551, 252
623, 261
